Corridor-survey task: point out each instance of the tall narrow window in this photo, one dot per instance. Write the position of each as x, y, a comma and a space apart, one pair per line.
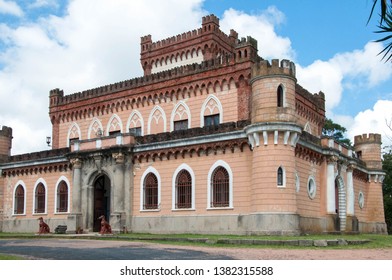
62, 197
19, 200
280, 176
280, 96
150, 192
40, 199
220, 188
183, 190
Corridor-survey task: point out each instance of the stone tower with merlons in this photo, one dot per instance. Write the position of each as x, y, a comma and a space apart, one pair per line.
273, 134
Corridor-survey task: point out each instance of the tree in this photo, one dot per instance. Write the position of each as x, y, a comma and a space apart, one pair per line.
385, 26
387, 190
336, 131
387, 183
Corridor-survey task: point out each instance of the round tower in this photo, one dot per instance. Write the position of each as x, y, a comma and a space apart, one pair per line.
368, 149
273, 135
5, 143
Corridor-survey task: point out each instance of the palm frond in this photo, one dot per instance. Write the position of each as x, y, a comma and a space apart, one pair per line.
385, 26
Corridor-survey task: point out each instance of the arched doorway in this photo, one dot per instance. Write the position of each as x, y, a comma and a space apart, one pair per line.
340, 203
101, 200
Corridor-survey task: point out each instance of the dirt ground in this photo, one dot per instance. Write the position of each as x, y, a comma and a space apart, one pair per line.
292, 254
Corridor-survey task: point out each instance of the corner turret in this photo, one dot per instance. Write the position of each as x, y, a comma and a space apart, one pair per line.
368, 149
5, 143
273, 91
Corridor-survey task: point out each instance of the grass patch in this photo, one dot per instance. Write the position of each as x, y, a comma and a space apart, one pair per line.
10, 257
376, 241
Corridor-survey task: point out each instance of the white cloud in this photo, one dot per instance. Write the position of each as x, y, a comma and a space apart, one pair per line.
262, 28
356, 69
95, 43
11, 8
373, 121
98, 42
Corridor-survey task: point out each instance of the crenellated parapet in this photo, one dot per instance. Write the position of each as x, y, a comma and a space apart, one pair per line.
195, 46
317, 99
5, 131
265, 69
371, 138
368, 149
57, 96
5, 142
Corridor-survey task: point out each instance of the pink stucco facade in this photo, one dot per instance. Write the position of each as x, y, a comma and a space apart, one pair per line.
220, 141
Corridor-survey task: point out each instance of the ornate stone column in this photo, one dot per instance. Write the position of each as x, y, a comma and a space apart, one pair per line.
117, 216
331, 163
74, 222
350, 191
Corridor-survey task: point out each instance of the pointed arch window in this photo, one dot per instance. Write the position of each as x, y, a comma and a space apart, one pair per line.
19, 200
40, 199
150, 192
220, 188
183, 190
212, 112
62, 197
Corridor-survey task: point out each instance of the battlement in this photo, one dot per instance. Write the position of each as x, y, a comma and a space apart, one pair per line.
5, 131
317, 98
248, 41
265, 68
210, 19
372, 138
56, 92
146, 39
159, 77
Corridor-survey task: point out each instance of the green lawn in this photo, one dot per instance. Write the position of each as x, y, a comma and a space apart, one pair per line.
9, 257
376, 241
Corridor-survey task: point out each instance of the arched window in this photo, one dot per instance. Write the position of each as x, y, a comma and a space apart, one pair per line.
62, 197
280, 96
135, 123
40, 199
183, 190
150, 192
220, 188
280, 177
19, 200
157, 121
211, 112
73, 134
114, 125
180, 118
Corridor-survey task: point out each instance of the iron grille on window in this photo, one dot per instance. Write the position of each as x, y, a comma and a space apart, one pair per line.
220, 188
19, 200
62, 197
150, 192
40, 199
183, 190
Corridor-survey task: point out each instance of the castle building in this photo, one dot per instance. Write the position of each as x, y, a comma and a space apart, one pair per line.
211, 139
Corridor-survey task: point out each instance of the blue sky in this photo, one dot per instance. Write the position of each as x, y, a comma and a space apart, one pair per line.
81, 44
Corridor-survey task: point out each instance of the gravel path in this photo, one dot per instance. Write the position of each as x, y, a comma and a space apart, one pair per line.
235, 253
